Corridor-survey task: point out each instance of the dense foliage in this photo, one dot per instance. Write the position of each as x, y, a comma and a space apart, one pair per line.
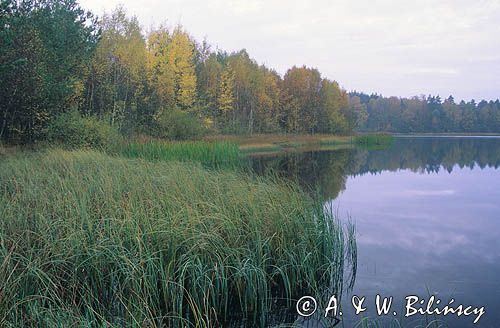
74, 131
55, 57
45, 48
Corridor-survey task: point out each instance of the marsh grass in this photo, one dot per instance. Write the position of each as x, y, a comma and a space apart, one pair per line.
213, 154
91, 240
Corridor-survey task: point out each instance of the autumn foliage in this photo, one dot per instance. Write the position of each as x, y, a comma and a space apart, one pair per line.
55, 58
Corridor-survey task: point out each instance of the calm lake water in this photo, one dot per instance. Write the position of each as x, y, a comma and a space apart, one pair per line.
427, 215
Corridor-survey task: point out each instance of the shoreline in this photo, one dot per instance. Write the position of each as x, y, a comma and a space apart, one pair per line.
446, 135
277, 143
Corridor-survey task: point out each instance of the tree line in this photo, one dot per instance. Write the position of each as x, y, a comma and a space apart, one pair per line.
56, 57
424, 114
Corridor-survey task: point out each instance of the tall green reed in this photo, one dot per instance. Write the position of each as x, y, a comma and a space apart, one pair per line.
213, 154
90, 240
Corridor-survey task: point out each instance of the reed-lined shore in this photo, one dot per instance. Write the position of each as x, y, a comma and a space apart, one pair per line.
92, 239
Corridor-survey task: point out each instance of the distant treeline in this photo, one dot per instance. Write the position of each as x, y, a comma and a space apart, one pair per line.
424, 114
55, 57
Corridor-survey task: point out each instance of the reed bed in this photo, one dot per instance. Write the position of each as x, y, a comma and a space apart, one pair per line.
91, 240
213, 154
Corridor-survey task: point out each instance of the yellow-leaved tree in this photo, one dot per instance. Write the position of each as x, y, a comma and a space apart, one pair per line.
225, 97
180, 55
161, 74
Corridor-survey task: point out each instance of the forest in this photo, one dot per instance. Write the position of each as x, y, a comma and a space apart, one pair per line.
63, 66
424, 114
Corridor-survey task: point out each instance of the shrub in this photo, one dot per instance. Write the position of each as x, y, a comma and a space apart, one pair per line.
74, 131
177, 125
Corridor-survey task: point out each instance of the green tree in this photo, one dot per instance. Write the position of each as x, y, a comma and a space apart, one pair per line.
44, 50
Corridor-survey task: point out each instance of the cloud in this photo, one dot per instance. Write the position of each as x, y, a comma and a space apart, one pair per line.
433, 71
430, 193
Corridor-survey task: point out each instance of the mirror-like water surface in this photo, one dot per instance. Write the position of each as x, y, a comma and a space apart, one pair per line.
427, 215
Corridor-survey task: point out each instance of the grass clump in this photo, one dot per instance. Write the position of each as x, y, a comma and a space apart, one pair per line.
374, 140
213, 154
89, 240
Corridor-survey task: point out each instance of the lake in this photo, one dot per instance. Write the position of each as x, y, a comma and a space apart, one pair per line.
427, 216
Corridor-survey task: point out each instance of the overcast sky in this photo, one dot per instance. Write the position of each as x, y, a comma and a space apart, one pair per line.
392, 47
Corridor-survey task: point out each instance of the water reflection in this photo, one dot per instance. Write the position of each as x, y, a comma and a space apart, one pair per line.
427, 215
327, 171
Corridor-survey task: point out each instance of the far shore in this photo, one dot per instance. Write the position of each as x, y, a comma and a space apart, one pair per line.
449, 135
277, 143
